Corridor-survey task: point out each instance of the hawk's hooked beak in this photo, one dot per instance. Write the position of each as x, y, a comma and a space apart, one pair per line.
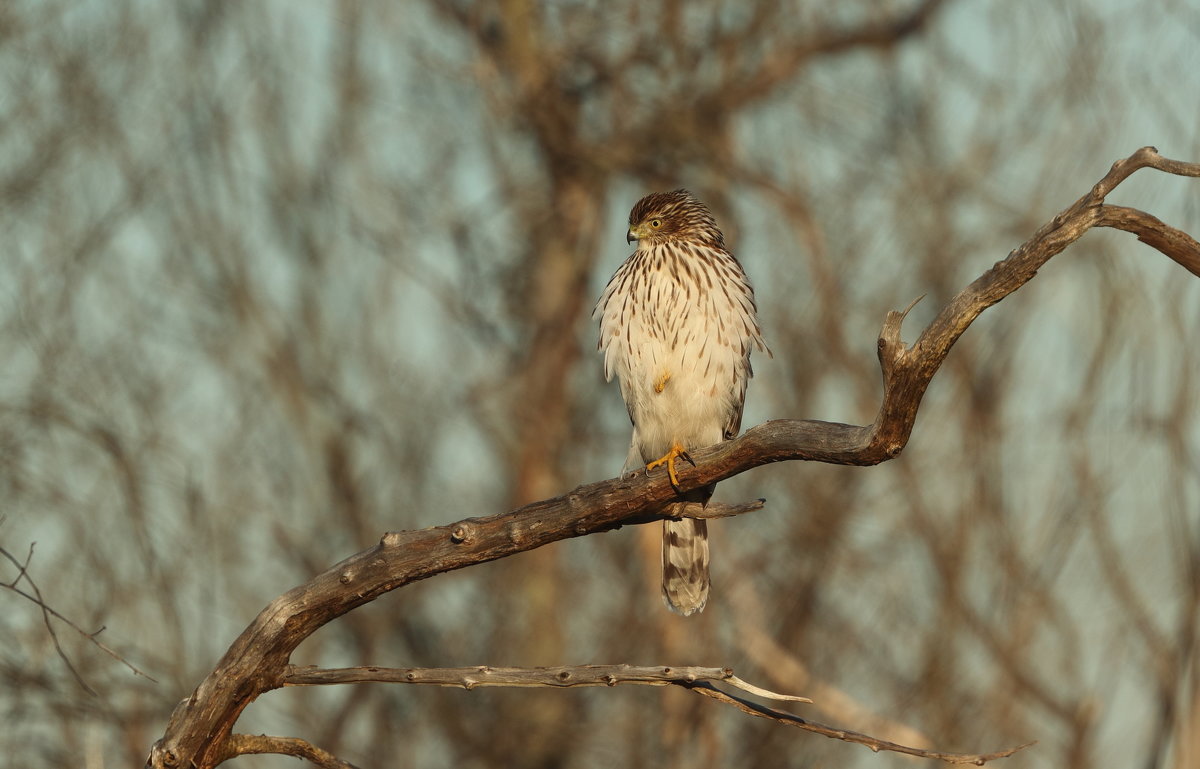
629, 236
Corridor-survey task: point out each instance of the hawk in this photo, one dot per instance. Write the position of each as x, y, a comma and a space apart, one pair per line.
677, 324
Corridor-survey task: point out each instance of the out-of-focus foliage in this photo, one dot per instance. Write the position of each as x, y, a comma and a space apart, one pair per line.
277, 278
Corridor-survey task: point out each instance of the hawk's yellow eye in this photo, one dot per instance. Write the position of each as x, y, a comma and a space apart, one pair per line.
656, 223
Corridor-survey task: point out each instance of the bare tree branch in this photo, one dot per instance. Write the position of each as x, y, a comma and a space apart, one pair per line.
243, 744
1176, 244
560, 677
696, 679
200, 727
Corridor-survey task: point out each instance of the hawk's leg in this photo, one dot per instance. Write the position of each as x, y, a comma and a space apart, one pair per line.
661, 384
676, 452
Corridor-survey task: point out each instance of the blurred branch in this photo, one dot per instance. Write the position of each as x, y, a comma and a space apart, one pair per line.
879, 34
201, 726
782, 664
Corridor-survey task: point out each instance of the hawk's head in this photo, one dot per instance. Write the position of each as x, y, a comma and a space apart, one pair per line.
665, 216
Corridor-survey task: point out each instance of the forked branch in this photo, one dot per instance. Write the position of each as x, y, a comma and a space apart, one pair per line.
200, 730
697, 679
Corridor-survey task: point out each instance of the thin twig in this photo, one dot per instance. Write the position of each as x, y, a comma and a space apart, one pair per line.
716, 510
48, 612
23, 573
676, 510
874, 743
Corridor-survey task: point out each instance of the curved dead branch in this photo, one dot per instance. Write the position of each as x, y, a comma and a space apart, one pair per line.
246, 744
200, 730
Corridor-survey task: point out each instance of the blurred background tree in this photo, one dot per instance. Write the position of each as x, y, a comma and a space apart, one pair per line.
277, 278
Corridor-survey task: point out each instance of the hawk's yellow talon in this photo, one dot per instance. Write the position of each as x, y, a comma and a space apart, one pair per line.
668, 459
661, 384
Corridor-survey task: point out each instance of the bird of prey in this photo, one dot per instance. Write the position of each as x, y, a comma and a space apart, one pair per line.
677, 324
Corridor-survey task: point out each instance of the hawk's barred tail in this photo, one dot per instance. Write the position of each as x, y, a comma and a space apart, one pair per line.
685, 565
